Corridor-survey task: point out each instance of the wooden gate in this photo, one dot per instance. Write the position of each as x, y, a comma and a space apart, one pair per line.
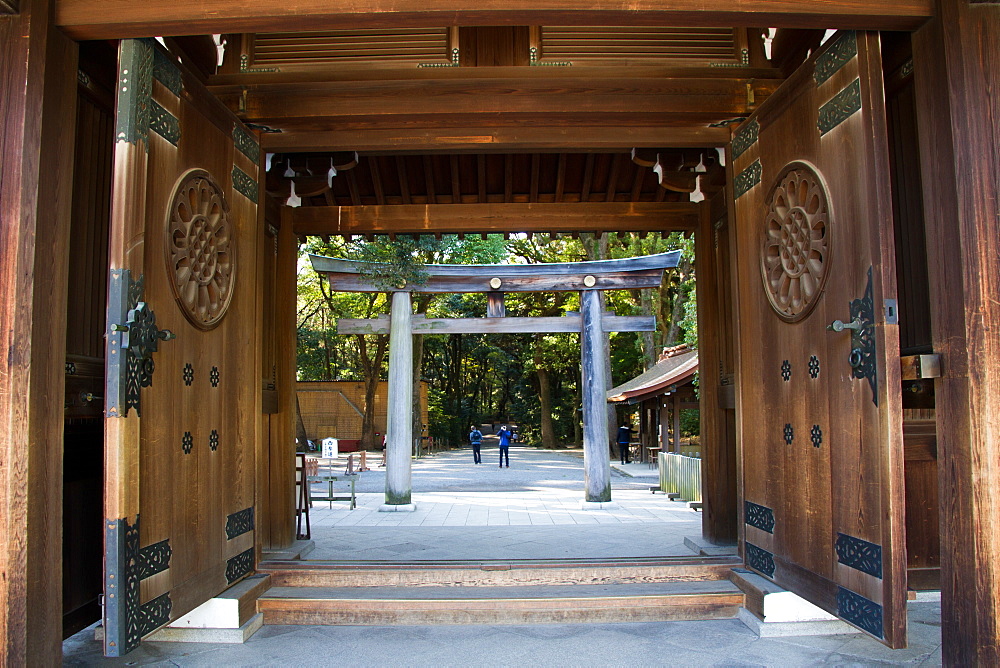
819, 399
182, 404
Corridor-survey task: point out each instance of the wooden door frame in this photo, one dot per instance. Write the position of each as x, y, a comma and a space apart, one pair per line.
38, 108
35, 312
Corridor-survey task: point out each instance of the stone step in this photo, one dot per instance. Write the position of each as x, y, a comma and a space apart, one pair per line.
581, 603
498, 573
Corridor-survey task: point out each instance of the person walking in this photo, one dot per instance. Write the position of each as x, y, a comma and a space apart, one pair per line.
624, 439
505, 435
476, 439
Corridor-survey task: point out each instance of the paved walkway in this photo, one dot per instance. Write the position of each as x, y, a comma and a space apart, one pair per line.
530, 510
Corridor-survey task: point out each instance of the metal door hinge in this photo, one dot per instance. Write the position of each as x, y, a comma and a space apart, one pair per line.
133, 337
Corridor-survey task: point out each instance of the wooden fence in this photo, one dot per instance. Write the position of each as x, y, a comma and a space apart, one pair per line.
680, 475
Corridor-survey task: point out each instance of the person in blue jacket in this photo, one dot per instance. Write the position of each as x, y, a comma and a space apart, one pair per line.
476, 439
505, 435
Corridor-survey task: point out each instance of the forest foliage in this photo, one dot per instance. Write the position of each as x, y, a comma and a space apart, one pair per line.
532, 380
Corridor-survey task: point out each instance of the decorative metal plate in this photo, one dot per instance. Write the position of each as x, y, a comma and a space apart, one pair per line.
213, 440
760, 560
239, 523
816, 436
135, 86
132, 337
166, 72
786, 371
153, 615
154, 559
213, 377
238, 566
842, 106
789, 433
858, 610
759, 516
863, 360
187, 443
188, 374
747, 179
163, 123
745, 138
795, 249
839, 54
245, 184
814, 367
246, 144
199, 251
859, 554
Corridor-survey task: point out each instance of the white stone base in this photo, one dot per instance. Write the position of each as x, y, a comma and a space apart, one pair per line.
401, 508
232, 636
816, 627
598, 505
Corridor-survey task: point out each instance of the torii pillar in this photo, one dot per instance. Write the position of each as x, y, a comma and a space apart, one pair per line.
399, 425
593, 344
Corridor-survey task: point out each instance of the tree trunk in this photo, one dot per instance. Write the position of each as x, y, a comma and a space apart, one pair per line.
545, 405
649, 353
372, 367
677, 309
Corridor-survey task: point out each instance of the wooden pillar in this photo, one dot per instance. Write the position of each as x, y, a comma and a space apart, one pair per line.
399, 422
594, 351
956, 63
280, 514
677, 423
37, 128
718, 437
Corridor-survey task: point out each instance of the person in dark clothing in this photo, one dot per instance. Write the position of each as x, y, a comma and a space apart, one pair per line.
505, 435
624, 439
476, 439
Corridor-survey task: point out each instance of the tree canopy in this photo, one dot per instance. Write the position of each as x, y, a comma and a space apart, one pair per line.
532, 380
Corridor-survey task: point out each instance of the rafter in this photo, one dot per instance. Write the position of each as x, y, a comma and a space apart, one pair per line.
495, 218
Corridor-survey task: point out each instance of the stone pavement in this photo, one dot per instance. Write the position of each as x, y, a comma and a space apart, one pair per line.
531, 510
725, 642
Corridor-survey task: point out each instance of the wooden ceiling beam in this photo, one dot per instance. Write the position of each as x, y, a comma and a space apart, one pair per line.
495, 218
419, 100
109, 19
596, 135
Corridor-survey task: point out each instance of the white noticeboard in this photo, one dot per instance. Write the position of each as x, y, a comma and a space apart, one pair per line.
330, 448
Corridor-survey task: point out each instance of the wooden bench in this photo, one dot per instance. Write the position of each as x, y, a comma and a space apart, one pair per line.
331, 497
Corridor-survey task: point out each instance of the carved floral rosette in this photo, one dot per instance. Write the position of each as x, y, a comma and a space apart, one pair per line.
201, 263
795, 249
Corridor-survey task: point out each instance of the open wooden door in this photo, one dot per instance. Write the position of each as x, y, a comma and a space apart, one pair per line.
182, 405
820, 418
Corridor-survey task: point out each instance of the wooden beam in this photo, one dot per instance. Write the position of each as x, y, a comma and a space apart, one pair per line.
620, 274
412, 99
108, 19
559, 324
495, 217
597, 134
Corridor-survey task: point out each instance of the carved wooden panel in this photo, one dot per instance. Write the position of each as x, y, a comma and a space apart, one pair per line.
199, 253
796, 245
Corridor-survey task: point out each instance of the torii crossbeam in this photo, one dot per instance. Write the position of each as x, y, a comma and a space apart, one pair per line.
589, 278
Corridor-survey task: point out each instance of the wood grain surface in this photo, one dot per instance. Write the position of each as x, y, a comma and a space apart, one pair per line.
842, 471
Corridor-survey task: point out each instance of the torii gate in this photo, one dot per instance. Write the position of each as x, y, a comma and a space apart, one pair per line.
589, 278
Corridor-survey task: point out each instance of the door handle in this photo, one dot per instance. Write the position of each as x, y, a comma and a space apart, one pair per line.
839, 326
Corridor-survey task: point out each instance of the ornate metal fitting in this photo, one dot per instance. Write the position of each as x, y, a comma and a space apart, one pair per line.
789, 433
862, 326
786, 371
814, 367
133, 337
816, 436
